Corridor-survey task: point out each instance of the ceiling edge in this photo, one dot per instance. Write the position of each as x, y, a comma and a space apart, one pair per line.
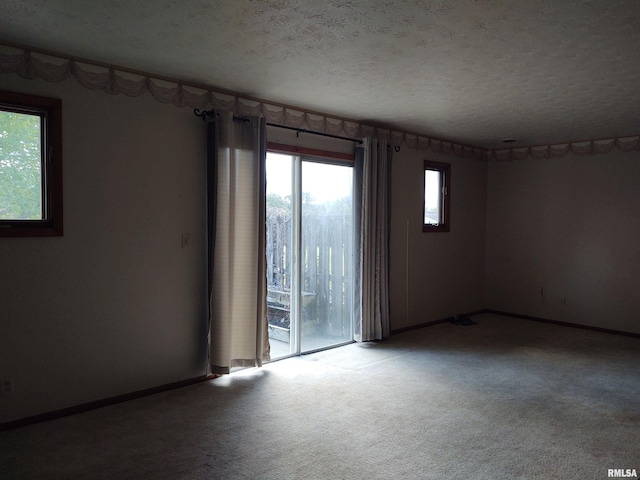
32, 62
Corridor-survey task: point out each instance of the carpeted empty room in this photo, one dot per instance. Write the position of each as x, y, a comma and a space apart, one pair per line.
503, 399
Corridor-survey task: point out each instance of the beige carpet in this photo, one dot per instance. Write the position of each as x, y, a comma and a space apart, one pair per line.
504, 399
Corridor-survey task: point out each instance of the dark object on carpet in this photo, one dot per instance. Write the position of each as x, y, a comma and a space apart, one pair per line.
462, 320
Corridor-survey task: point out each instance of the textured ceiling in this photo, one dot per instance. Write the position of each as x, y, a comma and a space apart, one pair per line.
474, 72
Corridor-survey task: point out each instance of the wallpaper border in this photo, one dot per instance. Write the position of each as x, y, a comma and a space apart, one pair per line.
32, 63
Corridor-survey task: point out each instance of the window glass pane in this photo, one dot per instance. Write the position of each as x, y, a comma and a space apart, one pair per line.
432, 196
279, 249
20, 167
327, 254
309, 254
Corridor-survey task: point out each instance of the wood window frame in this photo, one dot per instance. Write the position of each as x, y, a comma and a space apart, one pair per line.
50, 111
444, 205
326, 155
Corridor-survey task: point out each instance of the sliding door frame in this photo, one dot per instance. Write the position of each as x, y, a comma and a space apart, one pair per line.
300, 155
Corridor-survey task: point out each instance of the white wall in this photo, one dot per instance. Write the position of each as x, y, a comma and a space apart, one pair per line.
437, 274
570, 225
116, 305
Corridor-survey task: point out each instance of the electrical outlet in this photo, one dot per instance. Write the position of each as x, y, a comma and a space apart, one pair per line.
186, 240
6, 386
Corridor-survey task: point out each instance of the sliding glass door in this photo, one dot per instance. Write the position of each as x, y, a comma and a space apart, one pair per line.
309, 254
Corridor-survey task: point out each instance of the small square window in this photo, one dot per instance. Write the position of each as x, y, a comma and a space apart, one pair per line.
437, 186
30, 165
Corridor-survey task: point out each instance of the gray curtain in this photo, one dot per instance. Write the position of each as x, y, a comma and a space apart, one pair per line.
371, 295
238, 326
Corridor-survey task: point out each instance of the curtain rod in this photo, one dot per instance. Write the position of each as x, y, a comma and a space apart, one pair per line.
205, 113
209, 113
303, 130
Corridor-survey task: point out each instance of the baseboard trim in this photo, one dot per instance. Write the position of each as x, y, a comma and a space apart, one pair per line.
85, 407
523, 317
433, 322
563, 324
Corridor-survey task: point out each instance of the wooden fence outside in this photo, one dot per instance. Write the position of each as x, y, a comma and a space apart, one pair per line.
327, 264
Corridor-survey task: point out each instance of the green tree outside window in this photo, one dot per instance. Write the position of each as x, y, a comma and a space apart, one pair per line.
20, 166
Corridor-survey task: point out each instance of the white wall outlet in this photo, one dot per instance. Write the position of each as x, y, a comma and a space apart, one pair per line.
6, 386
186, 240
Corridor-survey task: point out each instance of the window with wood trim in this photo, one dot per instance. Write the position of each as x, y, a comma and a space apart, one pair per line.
436, 197
30, 165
